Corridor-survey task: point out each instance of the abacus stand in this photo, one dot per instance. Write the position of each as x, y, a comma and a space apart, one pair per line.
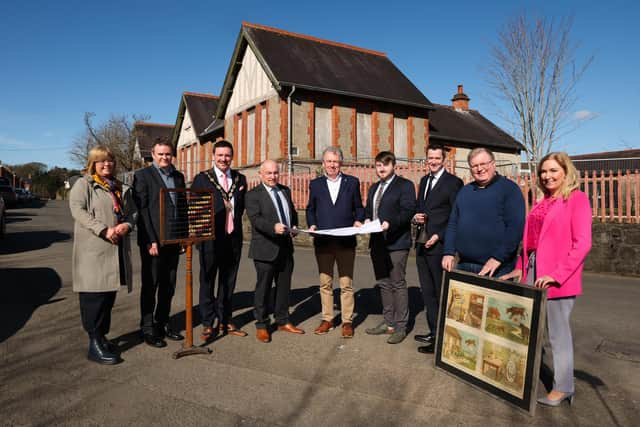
188, 348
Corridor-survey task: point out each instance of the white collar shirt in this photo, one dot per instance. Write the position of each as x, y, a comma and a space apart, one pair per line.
334, 187
434, 180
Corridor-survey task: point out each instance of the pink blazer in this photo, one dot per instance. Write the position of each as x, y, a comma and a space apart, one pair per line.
565, 241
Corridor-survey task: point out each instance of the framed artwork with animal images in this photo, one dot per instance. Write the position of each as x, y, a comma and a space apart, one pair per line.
490, 335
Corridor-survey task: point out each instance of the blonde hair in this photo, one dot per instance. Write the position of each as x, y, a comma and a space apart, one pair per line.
98, 154
571, 179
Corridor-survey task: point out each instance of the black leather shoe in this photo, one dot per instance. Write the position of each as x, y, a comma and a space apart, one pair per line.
99, 354
171, 334
109, 345
425, 339
154, 341
426, 349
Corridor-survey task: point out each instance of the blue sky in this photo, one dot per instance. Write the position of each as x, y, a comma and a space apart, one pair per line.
63, 58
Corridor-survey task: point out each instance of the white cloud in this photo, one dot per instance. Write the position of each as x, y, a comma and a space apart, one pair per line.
583, 115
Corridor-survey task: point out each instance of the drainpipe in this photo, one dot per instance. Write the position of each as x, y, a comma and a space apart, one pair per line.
289, 137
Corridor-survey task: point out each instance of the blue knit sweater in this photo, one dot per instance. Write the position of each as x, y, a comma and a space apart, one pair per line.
486, 222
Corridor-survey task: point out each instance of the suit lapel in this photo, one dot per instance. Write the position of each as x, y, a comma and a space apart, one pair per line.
155, 173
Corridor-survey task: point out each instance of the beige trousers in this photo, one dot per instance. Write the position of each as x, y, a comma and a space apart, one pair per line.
344, 258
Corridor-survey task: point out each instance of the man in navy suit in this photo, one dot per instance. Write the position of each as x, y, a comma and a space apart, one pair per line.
221, 256
334, 202
159, 262
392, 201
436, 196
273, 222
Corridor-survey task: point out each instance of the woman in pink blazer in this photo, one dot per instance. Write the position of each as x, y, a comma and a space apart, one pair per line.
557, 239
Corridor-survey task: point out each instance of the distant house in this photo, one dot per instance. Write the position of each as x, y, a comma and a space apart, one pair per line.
607, 161
195, 131
287, 96
146, 134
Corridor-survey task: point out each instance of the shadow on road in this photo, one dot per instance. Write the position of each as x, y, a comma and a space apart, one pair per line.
22, 291
24, 241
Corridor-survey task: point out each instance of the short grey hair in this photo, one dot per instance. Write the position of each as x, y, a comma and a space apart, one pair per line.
477, 151
333, 150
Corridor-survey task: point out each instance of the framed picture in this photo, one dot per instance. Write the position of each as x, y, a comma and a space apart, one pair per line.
490, 335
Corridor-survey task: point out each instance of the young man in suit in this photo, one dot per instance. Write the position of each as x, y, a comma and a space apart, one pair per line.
159, 262
335, 202
392, 200
274, 221
221, 256
436, 196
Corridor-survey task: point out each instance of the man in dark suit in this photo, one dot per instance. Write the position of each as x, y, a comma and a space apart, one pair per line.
274, 221
159, 262
335, 202
221, 256
392, 201
436, 195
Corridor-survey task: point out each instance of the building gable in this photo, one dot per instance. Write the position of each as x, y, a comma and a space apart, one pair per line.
252, 85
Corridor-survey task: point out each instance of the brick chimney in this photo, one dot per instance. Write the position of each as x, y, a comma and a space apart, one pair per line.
460, 100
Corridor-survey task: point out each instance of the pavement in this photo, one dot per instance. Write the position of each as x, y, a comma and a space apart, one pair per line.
296, 380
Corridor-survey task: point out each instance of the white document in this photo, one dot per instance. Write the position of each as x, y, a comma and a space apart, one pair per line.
370, 227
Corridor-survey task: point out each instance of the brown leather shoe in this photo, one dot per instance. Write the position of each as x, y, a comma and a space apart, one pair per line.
324, 328
208, 333
263, 335
347, 330
290, 328
232, 330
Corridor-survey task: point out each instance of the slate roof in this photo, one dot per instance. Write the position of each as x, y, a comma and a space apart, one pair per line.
468, 128
201, 107
147, 133
321, 65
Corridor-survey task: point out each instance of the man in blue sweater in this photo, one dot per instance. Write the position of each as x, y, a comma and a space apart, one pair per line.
486, 222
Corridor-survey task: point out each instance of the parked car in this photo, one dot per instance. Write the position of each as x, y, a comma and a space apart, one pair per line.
3, 219
9, 195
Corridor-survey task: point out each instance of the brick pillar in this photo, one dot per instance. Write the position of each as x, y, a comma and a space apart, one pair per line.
375, 138
284, 122
353, 134
258, 133
311, 130
335, 122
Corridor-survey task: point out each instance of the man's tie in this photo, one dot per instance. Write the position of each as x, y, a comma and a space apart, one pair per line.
280, 208
376, 205
429, 181
229, 218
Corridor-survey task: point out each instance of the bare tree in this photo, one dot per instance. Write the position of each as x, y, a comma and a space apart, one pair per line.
533, 69
117, 133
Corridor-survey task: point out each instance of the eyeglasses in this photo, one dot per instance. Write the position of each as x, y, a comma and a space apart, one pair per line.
106, 161
480, 165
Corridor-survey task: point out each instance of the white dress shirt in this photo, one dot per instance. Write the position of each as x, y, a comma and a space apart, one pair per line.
334, 187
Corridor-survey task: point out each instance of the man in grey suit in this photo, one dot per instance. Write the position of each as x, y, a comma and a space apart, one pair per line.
273, 223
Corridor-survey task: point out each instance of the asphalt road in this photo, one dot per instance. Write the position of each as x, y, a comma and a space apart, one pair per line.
305, 380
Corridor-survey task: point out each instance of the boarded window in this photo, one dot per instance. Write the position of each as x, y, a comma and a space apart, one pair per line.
238, 151
322, 130
363, 136
251, 136
400, 138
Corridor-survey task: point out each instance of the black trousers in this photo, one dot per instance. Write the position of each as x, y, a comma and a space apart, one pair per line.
430, 277
278, 271
158, 279
224, 263
95, 311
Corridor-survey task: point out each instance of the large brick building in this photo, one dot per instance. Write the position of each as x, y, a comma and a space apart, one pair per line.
287, 96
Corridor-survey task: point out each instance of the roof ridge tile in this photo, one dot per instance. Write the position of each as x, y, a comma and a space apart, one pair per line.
314, 39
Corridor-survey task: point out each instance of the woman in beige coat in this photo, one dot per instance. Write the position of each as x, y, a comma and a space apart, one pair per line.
104, 214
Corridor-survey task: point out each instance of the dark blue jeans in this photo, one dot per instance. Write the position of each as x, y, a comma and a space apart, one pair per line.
472, 267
